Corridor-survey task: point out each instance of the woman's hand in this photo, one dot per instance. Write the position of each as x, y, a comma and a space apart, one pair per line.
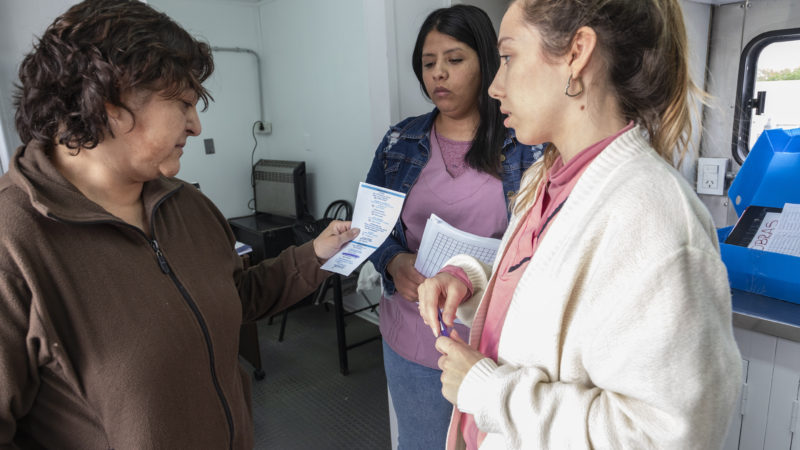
456, 360
442, 291
332, 238
405, 276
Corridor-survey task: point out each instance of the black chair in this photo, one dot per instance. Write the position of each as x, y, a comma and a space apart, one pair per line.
335, 281
337, 210
307, 231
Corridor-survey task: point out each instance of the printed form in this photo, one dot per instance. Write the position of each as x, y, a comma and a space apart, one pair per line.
786, 236
375, 214
441, 241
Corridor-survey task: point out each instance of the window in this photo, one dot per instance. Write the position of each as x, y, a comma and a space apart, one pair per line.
768, 92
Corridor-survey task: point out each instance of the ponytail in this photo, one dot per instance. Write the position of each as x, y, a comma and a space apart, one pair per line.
644, 45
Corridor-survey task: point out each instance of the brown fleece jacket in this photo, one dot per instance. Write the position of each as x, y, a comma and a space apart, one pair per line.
111, 339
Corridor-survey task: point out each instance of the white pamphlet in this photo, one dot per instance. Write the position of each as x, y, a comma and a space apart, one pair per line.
441, 241
375, 214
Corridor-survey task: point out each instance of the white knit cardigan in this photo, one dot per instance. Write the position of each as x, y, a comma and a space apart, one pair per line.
619, 332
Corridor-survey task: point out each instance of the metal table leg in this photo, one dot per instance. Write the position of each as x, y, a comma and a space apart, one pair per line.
341, 338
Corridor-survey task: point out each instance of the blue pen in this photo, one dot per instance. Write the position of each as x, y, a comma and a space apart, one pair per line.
442, 325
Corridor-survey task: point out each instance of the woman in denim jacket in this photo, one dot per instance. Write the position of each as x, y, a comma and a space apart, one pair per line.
456, 161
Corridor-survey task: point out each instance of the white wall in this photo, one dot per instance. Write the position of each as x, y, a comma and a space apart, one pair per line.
697, 18
377, 27
20, 22
494, 9
325, 77
317, 78
335, 76
225, 175
407, 17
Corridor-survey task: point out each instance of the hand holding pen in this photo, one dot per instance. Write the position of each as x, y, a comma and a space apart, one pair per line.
442, 326
438, 299
446, 291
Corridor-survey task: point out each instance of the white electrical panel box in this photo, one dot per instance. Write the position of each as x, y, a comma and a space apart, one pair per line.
711, 175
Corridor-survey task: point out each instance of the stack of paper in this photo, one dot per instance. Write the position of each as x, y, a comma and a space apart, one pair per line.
441, 241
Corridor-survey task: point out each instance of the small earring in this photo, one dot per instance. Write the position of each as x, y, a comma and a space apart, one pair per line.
569, 81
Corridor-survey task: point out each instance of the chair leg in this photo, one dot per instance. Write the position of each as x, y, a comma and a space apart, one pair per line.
249, 348
372, 306
341, 339
319, 296
283, 325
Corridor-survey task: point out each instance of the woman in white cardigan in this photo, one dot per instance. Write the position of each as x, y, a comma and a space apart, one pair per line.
606, 320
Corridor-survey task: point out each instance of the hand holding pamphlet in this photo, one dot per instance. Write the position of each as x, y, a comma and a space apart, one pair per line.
375, 214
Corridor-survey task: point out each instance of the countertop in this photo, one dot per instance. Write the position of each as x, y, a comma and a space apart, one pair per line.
766, 315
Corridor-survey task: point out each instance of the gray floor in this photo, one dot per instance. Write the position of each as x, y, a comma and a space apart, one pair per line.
304, 402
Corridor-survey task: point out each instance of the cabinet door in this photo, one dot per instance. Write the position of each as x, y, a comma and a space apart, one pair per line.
782, 420
758, 355
735, 426
795, 424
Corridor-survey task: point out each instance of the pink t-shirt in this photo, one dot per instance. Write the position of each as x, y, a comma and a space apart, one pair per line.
550, 197
470, 200
463, 197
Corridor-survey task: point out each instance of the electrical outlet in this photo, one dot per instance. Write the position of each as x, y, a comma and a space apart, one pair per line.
264, 128
711, 175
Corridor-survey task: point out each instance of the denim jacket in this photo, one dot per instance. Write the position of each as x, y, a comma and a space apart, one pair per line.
401, 156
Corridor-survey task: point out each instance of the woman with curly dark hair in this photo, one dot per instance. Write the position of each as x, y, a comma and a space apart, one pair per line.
121, 295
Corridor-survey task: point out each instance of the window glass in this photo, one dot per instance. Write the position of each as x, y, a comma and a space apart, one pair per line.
778, 76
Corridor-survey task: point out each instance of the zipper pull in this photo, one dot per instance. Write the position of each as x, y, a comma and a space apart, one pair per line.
162, 262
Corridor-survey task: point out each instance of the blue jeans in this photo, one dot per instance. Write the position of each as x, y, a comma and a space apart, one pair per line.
423, 415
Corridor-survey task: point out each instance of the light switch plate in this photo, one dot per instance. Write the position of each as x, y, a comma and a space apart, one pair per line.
711, 175
209, 145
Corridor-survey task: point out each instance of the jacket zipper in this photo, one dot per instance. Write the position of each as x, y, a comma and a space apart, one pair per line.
164, 266
162, 263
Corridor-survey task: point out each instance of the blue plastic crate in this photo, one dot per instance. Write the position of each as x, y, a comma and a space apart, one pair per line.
770, 176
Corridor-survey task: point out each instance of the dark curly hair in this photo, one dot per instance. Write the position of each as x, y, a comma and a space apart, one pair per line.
95, 53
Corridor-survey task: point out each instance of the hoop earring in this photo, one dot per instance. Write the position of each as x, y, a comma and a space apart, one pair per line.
569, 81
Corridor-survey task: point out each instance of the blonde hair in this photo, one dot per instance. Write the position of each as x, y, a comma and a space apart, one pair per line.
644, 46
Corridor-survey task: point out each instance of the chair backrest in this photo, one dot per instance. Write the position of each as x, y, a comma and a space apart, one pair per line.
337, 210
340, 210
